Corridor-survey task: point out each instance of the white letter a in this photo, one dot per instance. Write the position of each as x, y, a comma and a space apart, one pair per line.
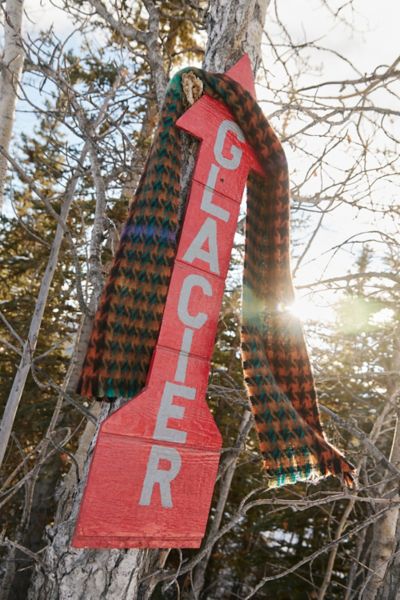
208, 232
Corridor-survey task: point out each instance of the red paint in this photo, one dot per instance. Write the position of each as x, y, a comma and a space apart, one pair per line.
153, 470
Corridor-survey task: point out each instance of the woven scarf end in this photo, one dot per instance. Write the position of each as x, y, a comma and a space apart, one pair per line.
310, 473
108, 389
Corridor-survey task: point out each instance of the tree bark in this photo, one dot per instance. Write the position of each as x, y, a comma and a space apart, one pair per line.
66, 573
383, 564
384, 535
390, 589
233, 29
10, 75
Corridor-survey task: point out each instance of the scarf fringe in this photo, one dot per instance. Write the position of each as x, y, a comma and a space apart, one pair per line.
311, 472
109, 389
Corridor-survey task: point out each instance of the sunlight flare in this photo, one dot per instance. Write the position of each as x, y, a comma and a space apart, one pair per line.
306, 310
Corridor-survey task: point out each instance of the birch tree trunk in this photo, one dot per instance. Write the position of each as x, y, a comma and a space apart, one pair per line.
384, 535
10, 74
29, 347
384, 542
390, 589
65, 573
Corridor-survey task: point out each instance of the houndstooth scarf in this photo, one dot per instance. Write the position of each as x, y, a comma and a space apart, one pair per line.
276, 366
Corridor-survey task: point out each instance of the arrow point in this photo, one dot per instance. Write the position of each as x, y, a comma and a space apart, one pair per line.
242, 72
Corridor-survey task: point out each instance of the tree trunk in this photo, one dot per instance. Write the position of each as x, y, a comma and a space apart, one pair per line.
383, 563
224, 488
29, 347
384, 535
66, 573
10, 74
234, 27
390, 588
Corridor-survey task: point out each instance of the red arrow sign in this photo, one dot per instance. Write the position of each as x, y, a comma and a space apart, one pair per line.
153, 471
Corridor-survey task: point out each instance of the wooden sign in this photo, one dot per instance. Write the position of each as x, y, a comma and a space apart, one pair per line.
154, 466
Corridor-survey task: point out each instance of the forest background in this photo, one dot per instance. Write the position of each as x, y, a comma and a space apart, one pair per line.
92, 80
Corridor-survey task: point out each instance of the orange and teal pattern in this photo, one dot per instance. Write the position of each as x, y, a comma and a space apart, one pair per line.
276, 365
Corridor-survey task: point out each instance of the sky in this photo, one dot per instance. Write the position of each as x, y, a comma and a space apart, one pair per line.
371, 41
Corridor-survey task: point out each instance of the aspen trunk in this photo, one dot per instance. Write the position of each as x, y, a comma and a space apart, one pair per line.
29, 347
384, 540
10, 74
384, 535
390, 588
66, 573
384, 563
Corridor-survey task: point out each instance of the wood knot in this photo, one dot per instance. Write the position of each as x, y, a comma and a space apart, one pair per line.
192, 87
